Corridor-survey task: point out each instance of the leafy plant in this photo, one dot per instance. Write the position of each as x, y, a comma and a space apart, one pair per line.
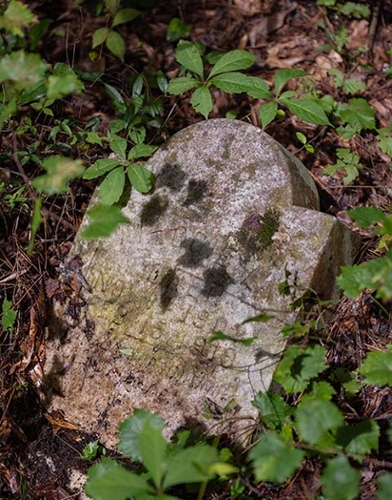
348, 162
9, 316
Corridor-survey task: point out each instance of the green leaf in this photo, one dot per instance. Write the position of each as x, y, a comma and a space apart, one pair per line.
182, 84
90, 451
101, 167
298, 366
268, 113
8, 317
273, 459
177, 29
236, 83
260, 318
273, 410
111, 188
141, 178
359, 439
36, 221
23, 69
385, 486
116, 44
103, 221
108, 480
130, 431
99, 36
94, 138
316, 419
355, 9
377, 367
358, 113
282, 76
16, 17
114, 94
233, 61
307, 110
152, 447
222, 336
162, 82
141, 151
60, 171
125, 16
366, 216
63, 82
340, 481
118, 145
191, 465
188, 56
201, 101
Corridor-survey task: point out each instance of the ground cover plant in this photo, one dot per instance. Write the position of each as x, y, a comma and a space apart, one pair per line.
118, 79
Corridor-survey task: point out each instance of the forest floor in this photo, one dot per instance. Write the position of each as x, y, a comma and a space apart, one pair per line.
38, 450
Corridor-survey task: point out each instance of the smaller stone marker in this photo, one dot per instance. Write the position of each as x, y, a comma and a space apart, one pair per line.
232, 216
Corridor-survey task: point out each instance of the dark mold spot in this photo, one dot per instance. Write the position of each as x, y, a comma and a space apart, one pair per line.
216, 281
196, 192
195, 252
257, 231
171, 176
169, 288
153, 210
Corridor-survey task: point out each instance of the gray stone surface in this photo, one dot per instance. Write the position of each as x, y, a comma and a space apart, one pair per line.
231, 214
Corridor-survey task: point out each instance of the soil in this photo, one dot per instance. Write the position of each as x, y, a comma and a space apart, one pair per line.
38, 451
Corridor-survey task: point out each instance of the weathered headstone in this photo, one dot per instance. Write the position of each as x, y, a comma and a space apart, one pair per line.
232, 216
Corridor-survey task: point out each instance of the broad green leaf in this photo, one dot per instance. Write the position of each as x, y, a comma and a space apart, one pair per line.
298, 366
282, 76
103, 221
182, 84
268, 113
162, 82
8, 317
16, 17
7, 111
191, 465
111, 188
366, 216
353, 86
118, 145
233, 61
358, 113
114, 94
94, 138
101, 167
63, 82
22, 68
130, 431
273, 410
125, 16
141, 150
152, 447
141, 178
377, 367
116, 44
340, 481
60, 171
236, 83
316, 419
188, 56
201, 101
99, 36
307, 110
384, 139
355, 9
222, 336
108, 480
273, 459
359, 439
385, 486
321, 390
177, 29
137, 133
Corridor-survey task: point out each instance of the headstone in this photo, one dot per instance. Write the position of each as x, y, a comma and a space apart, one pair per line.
232, 216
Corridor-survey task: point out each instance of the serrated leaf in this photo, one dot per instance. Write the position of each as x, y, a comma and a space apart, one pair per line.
377, 367
282, 76
355, 9
141, 151
99, 36
141, 178
152, 447
16, 17
273, 459
125, 16
359, 439
22, 68
307, 110
201, 101
129, 431
119, 145
233, 61
108, 480
182, 84
267, 113
236, 83
353, 86
385, 144
60, 171
103, 221
111, 188
100, 167
188, 56
366, 216
316, 419
385, 486
340, 481
116, 44
273, 410
8, 317
298, 366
